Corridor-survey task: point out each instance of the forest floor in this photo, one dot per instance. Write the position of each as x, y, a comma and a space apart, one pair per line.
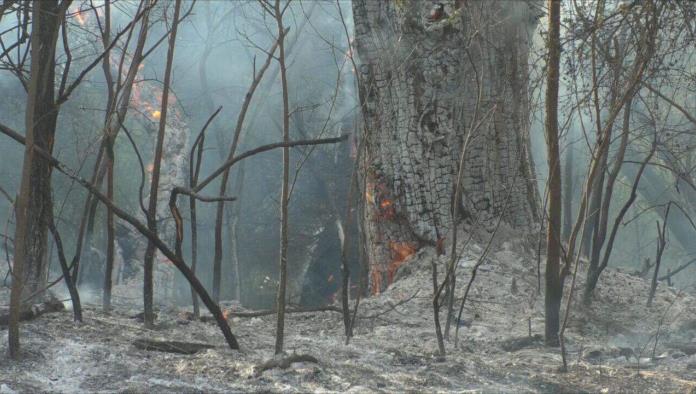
612, 344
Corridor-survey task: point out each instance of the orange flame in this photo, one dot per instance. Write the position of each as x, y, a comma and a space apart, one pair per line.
156, 114
370, 197
386, 204
401, 251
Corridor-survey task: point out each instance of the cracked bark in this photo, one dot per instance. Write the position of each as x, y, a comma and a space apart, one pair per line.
418, 89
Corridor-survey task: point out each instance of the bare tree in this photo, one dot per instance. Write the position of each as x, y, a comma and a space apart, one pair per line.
33, 202
148, 290
278, 12
554, 280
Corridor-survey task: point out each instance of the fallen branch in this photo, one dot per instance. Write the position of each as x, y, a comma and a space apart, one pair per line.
284, 363
268, 312
671, 274
178, 262
326, 308
171, 346
33, 312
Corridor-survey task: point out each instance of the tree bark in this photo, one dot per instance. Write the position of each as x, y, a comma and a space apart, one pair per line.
148, 290
33, 204
418, 78
110, 158
554, 282
285, 190
568, 184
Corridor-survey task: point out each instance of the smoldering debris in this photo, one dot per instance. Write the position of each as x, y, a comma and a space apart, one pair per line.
611, 344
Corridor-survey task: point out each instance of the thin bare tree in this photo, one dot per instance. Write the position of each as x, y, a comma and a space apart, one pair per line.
148, 288
554, 282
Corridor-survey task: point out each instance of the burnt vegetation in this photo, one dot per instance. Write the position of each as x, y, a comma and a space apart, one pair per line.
348, 195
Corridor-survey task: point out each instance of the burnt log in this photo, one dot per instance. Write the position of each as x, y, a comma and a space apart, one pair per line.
171, 346
33, 312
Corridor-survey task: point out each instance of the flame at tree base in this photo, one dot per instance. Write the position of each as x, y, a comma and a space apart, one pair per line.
400, 253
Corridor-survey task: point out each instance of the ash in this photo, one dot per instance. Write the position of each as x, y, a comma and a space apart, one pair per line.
615, 345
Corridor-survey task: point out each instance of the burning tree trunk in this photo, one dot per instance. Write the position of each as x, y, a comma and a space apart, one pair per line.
419, 76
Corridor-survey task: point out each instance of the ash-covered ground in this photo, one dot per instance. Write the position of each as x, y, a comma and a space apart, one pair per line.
616, 345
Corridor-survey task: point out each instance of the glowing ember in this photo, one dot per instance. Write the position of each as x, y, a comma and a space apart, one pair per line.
385, 204
370, 197
400, 251
376, 282
156, 114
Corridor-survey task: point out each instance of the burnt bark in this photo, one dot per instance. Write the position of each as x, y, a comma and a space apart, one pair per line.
33, 204
418, 83
554, 280
42, 115
285, 189
148, 288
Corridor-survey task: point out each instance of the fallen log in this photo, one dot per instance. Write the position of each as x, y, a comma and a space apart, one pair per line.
33, 312
284, 362
267, 312
171, 346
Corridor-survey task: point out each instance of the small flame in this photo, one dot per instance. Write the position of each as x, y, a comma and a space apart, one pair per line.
401, 251
156, 114
376, 282
385, 204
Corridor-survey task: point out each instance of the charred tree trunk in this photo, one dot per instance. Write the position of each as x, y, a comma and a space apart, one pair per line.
285, 190
419, 71
661, 244
568, 184
148, 288
43, 112
109, 141
33, 205
554, 280
234, 232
